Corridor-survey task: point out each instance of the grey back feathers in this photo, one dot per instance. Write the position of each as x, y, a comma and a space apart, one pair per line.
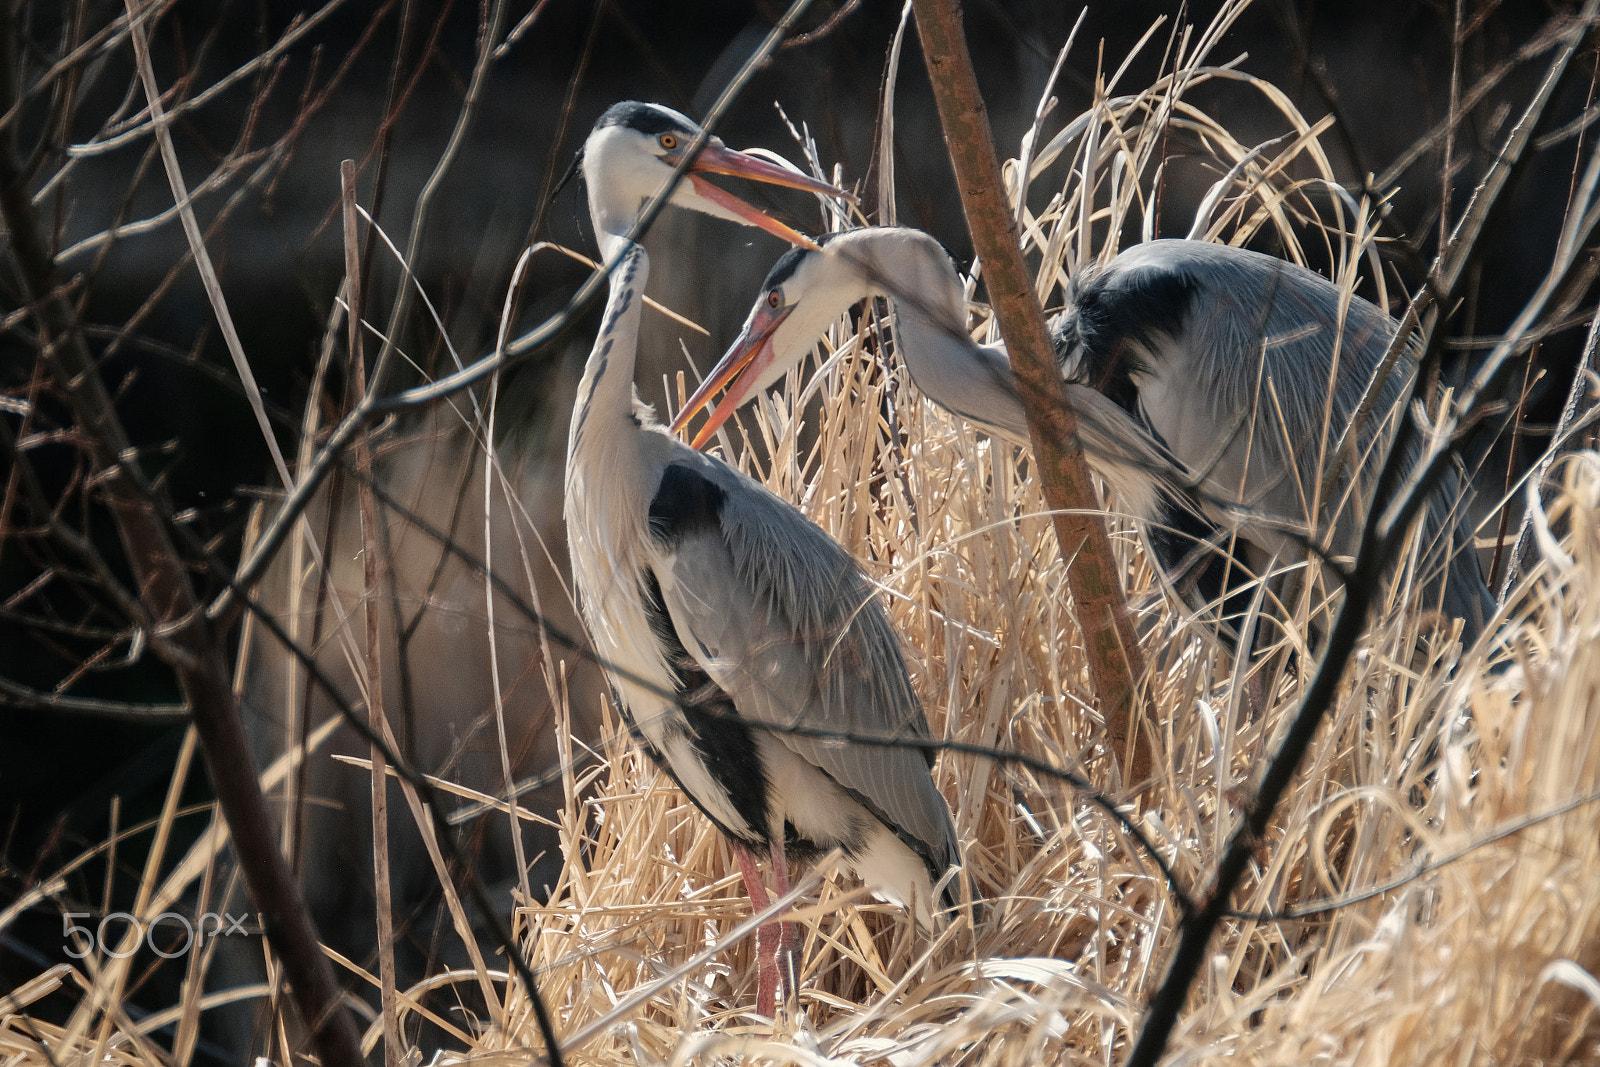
1250, 369
1228, 378
722, 615
789, 626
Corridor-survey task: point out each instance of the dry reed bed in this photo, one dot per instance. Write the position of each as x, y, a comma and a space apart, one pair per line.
1421, 780
1464, 793
1480, 955
1484, 957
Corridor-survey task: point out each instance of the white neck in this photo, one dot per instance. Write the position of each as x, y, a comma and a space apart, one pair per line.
930, 314
975, 382
605, 394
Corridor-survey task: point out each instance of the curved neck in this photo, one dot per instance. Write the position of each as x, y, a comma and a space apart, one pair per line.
967, 379
974, 382
605, 393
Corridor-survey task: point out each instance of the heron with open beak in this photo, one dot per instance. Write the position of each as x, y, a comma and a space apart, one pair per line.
745, 647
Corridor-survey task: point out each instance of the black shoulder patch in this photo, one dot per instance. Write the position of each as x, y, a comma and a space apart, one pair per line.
686, 501
1141, 302
1110, 312
649, 119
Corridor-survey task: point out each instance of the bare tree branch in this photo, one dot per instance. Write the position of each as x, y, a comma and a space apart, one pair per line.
180, 634
1115, 662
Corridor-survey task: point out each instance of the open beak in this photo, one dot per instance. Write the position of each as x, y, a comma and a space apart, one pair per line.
716, 159
749, 355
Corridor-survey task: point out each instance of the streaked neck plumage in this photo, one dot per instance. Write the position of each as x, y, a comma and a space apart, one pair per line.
606, 457
606, 393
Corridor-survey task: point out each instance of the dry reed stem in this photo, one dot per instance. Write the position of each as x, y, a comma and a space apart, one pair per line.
1467, 795
1077, 925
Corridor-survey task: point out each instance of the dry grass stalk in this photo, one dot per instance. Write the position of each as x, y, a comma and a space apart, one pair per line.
1466, 795
1419, 764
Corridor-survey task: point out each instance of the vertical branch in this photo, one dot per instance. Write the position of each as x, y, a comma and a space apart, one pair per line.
371, 579
491, 468
1453, 118
1113, 651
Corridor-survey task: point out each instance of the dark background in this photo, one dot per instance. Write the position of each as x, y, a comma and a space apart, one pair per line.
382, 83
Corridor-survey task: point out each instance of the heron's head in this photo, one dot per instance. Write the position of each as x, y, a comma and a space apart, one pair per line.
806, 292
634, 150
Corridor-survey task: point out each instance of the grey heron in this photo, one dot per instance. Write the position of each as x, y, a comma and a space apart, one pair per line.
719, 611
1220, 358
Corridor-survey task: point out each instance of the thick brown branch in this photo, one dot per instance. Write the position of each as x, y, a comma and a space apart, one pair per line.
1113, 651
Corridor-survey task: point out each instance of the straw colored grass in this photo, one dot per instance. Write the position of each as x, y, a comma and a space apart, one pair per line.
1487, 956
1427, 893
1423, 779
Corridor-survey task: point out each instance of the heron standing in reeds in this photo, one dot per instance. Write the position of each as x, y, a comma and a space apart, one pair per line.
723, 617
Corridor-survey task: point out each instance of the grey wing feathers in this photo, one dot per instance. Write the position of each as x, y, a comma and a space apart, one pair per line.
1291, 321
1266, 338
784, 620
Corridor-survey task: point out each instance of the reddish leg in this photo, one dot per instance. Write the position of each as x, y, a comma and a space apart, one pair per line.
766, 949
784, 956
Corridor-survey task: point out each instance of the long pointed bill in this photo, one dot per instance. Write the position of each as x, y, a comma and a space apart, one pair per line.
739, 369
716, 159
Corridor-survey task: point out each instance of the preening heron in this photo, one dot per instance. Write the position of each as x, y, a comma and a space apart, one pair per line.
718, 609
1235, 371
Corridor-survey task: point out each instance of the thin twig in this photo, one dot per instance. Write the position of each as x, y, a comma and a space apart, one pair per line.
371, 580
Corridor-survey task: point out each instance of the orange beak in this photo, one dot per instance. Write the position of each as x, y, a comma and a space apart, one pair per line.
750, 354
715, 159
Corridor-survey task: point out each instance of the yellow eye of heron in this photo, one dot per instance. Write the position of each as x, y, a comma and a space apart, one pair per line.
775, 299
669, 141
